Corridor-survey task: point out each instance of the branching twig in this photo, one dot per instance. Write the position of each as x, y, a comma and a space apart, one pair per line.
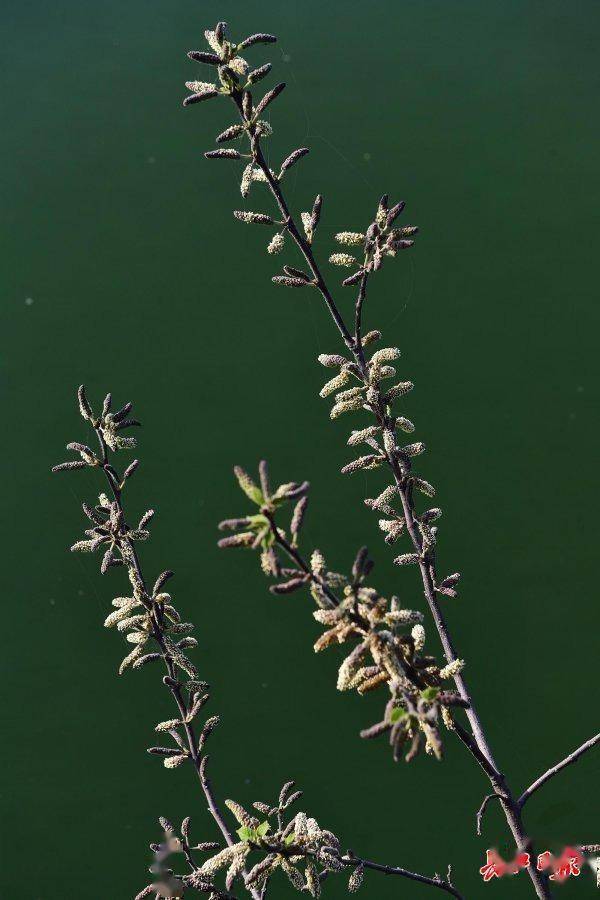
199, 763
296, 557
426, 568
436, 881
376, 400
567, 761
151, 616
115, 531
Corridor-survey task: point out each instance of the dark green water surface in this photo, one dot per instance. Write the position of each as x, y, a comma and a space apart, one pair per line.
122, 267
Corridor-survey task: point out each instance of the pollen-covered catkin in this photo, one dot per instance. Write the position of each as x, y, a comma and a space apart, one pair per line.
349, 237
418, 636
342, 259
334, 384
452, 669
345, 406
253, 218
331, 360
276, 244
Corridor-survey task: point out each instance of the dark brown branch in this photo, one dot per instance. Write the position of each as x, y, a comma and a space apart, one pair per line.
351, 859
496, 777
210, 798
292, 228
511, 808
567, 761
360, 299
295, 556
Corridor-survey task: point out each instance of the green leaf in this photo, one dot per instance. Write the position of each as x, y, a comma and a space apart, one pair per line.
290, 839
430, 693
398, 714
246, 834
258, 521
251, 490
263, 828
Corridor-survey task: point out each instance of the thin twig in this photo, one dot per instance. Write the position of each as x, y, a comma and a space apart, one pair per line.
296, 557
212, 806
567, 761
360, 299
483, 807
198, 761
497, 778
351, 859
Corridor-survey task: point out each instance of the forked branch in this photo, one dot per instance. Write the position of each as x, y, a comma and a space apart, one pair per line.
382, 239
263, 843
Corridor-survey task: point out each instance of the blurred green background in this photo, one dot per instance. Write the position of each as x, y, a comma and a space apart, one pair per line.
122, 268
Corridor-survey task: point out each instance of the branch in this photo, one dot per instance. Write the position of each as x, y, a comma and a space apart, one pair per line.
351, 859
484, 754
291, 226
360, 299
198, 761
483, 807
379, 405
496, 777
212, 806
426, 567
567, 761
296, 557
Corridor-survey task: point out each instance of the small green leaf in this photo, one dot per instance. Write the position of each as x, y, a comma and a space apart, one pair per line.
263, 828
430, 693
290, 839
258, 521
246, 834
398, 714
249, 487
